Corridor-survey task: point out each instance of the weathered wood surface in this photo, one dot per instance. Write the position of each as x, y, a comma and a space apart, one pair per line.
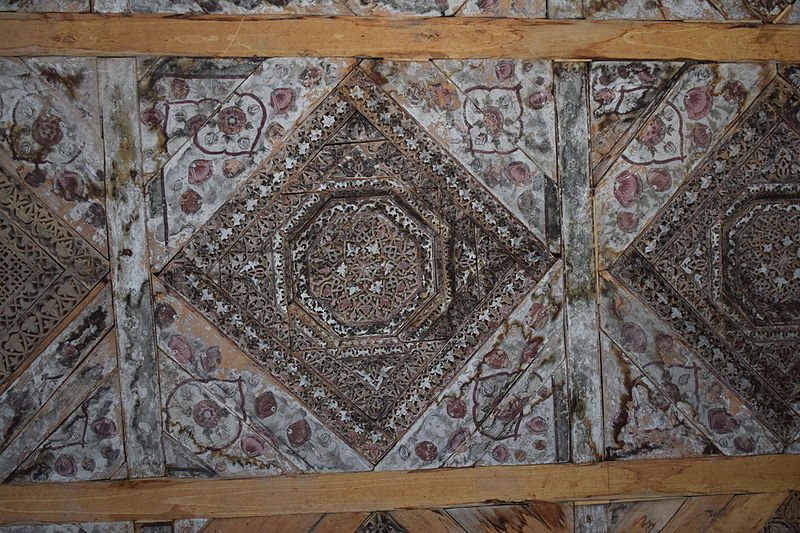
582, 342
417, 39
162, 499
133, 301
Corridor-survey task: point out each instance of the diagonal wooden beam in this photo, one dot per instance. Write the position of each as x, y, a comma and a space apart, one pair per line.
168, 499
24, 34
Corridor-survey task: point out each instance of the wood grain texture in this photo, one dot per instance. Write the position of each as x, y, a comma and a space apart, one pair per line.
24, 34
130, 262
644, 516
339, 522
747, 513
697, 513
166, 499
535, 517
426, 521
582, 342
282, 524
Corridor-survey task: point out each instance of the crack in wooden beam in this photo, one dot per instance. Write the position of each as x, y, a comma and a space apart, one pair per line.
36, 34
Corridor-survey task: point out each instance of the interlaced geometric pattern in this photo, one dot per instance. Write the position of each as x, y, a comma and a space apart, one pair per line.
362, 266
721, 263
45, 270
14, 272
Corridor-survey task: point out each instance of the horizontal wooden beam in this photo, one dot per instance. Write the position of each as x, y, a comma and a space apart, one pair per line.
167, 499
395, 38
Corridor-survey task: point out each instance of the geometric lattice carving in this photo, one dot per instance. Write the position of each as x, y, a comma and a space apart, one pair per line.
362, 266
45, 271
721, 262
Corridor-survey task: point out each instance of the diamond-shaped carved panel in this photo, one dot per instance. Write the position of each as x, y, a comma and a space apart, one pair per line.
362, 266
721, 262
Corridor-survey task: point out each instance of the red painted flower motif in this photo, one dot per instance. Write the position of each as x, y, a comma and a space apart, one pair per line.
698, 102
281, 100
96, 215
500, 453
194, 124
206, 414
518, 173
493, 120
653, 132
311, 77
721, 421
191, 202
531, 349
68, 185
105, 428
265, 405
744, 444
457, 438
232, 167
165, 315
200, 170
537, 99
497, 358
179, 88
536, 425
152, 118
627, 188
701, 135
520, 455
67, 354
445, 97
659, 179
604, 96
35, 177
627, 221
664, 343
231, 120
526, 201
252, 445
274, 132
211, 358
65, 465
181, 348
634, 337
504, 69
509, 410
536, 316
540, 444
734, 92
426, 450
298, 433
47, 130
456, 408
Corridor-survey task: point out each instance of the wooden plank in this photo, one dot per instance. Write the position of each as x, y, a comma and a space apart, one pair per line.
535, 517
581, 329
650, 515
426, 521
747, 513
130, 262
25, 34
169, 499
340, 522
283, 524
697, 513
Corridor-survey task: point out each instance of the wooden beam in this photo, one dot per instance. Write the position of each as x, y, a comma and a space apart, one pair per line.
27, 34
168, 499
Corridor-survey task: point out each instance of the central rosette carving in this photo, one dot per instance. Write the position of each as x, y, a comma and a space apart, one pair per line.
364, 265
763, 261
364, 268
